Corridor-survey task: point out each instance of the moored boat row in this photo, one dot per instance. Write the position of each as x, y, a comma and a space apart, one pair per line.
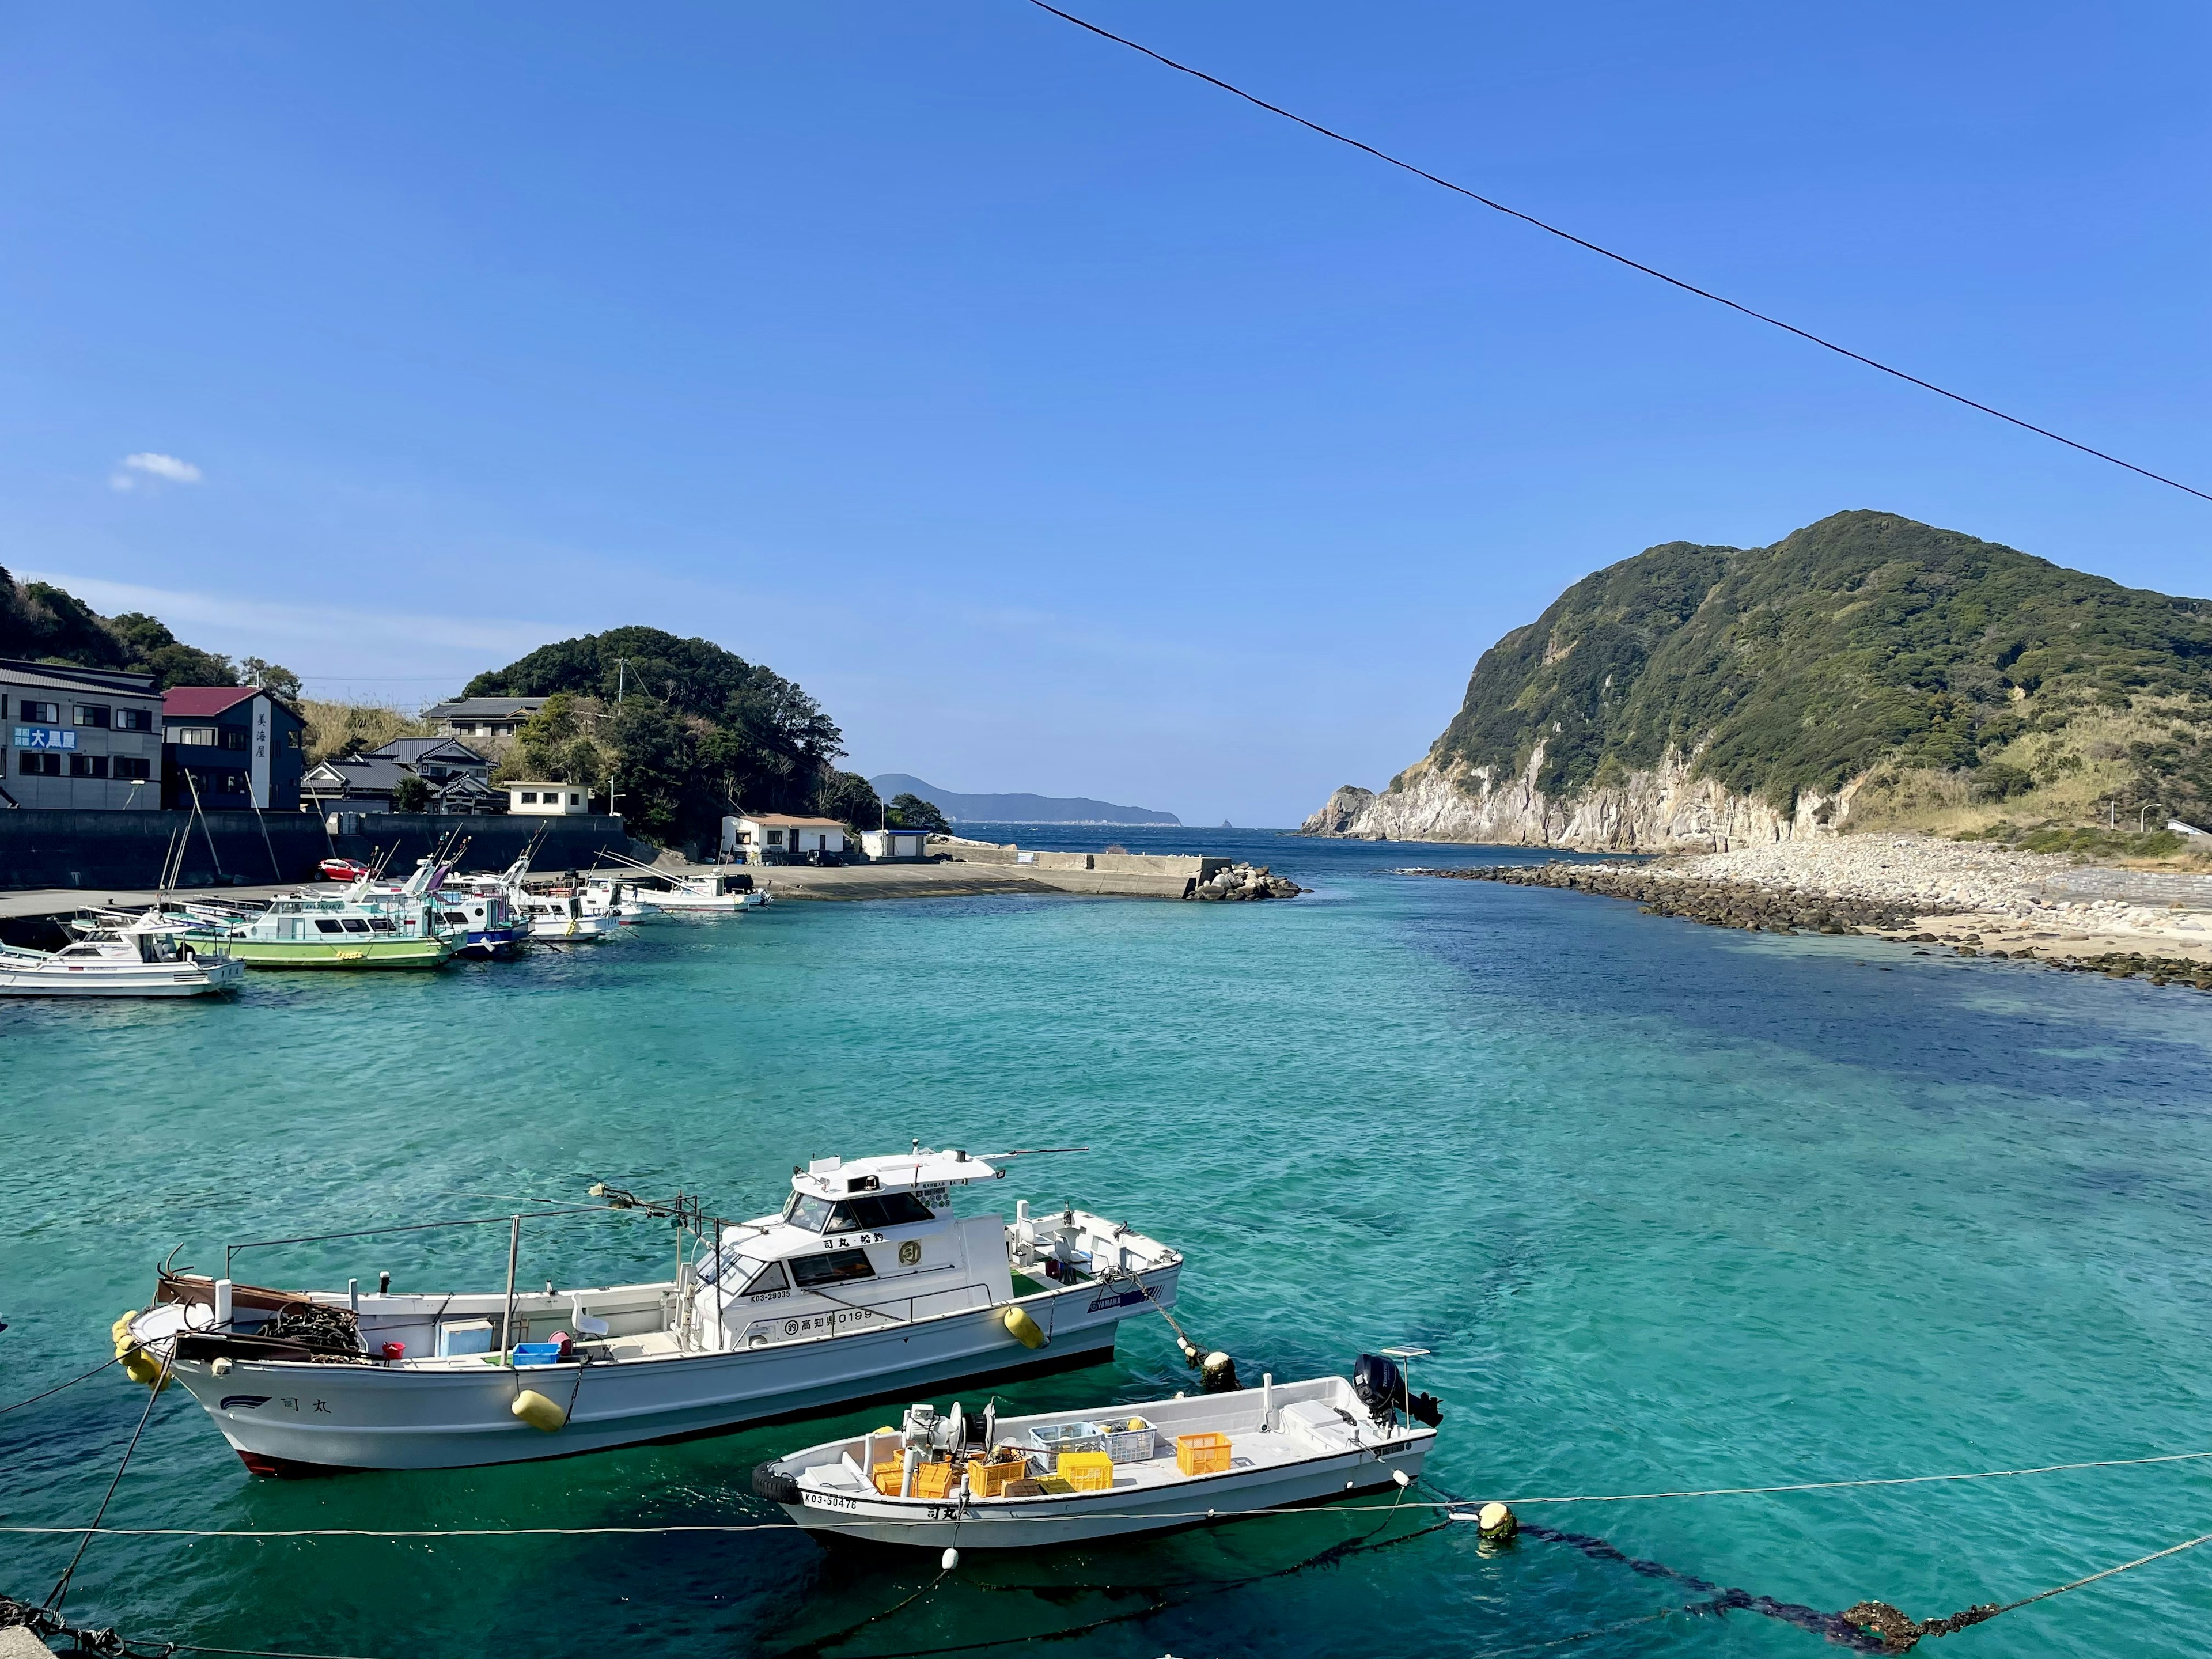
436, 915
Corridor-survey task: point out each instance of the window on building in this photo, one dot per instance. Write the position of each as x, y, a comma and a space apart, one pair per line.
87, 766
134, 719
49, 714
237, 736
92, 714
129, 766
198, 736
775, 838
529, 797
575, 800
33, 765
292, 738
831, 1268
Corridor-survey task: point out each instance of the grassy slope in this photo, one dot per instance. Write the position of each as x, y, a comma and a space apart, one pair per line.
1973, 682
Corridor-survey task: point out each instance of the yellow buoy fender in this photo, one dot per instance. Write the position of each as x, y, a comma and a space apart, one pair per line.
535, 1409
1023, 1329
119, 1332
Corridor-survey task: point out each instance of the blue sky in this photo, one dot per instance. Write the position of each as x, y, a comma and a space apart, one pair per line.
1062, 423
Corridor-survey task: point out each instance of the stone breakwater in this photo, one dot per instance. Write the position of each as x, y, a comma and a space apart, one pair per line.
1914, 890
1716, 903
1246, 881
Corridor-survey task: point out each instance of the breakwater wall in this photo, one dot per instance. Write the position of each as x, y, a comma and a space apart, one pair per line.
86, 850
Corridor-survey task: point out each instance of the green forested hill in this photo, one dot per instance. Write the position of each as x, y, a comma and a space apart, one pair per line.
1865, 641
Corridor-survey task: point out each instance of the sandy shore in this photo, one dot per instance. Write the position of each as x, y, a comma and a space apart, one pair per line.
1986, 897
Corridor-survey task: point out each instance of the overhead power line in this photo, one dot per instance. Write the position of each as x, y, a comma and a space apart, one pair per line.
1618, 259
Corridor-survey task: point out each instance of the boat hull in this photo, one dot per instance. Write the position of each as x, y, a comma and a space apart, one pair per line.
284, 1416
162, 979
402, 952
1041, 1523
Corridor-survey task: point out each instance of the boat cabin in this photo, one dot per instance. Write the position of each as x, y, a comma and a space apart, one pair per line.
857, 1242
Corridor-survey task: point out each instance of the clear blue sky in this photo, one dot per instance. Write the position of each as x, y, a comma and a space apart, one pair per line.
1062, 423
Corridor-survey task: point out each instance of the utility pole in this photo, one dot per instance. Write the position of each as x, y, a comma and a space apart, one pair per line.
622, 674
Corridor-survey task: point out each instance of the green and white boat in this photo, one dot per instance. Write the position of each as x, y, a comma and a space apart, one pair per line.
355, 928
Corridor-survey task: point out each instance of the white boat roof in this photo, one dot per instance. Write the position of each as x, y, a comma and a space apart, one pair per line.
840, 1177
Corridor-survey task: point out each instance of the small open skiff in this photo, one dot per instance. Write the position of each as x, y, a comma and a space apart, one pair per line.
1017, 1483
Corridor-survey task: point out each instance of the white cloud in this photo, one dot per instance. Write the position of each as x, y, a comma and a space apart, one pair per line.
154, 466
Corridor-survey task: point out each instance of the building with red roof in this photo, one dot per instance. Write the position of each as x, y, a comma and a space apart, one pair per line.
229, 748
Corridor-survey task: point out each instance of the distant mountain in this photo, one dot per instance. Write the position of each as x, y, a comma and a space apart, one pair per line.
1016, 809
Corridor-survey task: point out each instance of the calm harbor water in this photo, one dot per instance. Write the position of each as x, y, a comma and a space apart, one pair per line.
1674, 1208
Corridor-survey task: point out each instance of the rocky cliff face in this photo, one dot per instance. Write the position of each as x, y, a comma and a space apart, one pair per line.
1706, 696
1659, 811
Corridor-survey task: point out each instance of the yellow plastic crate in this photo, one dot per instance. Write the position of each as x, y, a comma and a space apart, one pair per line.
991, 1480
1086, 1471
887, 1478
933, 1480
1201, 1453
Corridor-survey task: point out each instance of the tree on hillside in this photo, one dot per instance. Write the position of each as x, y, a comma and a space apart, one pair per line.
698, 729
911, 811
272, 677
850, 798
556, 744
150, 649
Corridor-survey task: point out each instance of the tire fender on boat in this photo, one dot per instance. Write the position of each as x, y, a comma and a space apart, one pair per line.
1023, 1329
769, 1481
535, 1409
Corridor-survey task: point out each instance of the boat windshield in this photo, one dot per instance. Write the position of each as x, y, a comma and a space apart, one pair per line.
852, 1215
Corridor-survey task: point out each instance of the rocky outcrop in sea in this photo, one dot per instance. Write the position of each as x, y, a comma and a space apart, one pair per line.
1246, 881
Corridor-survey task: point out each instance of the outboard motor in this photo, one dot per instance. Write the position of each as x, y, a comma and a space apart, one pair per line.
1382, 1389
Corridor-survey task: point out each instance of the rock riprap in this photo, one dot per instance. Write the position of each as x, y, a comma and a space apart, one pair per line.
1246, 881
1978, 900
1716, 903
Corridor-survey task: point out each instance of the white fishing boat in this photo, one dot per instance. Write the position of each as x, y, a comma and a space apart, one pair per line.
561, 915
865, 1286
988, 1482
119, 955
716, 892
606, 897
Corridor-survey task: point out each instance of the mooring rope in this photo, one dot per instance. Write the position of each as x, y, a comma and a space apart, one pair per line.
1448, 1502
58, 1386
1879, 1480
153, 1393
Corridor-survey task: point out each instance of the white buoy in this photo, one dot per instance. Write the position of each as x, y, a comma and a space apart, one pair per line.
950, 1559
1403, 1478
1496, 1523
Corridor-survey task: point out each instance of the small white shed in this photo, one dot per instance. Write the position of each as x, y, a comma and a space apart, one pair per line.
894, 846
548, 799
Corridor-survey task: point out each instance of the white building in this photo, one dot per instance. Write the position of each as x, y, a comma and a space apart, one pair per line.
894, 846
548, 800
778, 838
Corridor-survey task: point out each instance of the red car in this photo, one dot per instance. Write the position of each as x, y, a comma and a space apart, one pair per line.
341, 870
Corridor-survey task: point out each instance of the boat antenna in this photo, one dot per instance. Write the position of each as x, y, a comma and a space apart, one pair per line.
1025, 1152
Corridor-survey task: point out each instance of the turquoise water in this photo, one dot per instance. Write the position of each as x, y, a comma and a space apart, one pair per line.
1674, 1208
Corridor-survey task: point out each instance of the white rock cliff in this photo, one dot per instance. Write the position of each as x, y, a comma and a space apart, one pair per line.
1660, 810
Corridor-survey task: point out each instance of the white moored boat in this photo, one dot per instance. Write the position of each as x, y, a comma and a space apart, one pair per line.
1017, 1483
118, 955
865, 1286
